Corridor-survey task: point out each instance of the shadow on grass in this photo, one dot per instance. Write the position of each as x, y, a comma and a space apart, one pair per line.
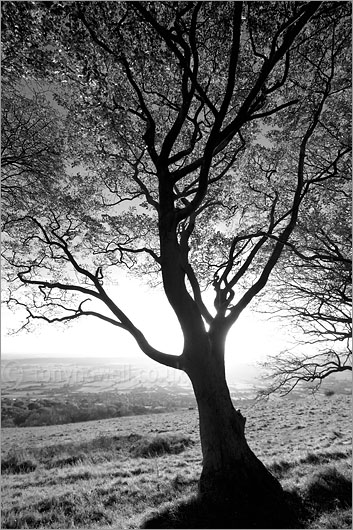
328, 489
193, 512
327, 492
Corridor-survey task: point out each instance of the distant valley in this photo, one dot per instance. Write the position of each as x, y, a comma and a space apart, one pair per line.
39, 391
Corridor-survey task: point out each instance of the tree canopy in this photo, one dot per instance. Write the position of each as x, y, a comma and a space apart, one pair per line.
195, 117
155, 88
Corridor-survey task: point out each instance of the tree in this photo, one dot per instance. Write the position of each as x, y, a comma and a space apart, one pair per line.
169, 106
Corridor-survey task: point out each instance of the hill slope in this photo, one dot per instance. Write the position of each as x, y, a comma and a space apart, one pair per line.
114, 472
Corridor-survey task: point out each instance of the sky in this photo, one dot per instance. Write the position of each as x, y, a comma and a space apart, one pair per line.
249, 341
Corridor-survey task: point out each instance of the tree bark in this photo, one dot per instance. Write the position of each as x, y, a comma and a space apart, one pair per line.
231, 472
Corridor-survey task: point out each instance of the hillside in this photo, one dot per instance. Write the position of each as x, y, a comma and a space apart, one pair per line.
114, 472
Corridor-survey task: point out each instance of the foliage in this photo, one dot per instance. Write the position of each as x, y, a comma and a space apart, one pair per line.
311, 291
31, 146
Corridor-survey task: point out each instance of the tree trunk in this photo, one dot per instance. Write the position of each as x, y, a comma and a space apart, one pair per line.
231, 472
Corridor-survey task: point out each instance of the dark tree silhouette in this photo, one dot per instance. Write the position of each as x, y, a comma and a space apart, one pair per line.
193, 129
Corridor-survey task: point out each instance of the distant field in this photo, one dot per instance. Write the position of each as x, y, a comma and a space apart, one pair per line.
114, 472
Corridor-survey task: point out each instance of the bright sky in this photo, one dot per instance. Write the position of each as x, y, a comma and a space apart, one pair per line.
249, 341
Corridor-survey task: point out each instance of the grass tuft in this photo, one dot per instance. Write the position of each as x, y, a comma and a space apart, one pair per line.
160, 445
281, 467
64, 510
17, 462
335, 519
329, 488
323, 458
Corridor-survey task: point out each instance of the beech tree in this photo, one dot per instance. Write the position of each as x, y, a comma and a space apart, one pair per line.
193, 131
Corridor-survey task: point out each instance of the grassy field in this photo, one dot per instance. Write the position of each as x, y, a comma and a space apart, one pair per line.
114, 473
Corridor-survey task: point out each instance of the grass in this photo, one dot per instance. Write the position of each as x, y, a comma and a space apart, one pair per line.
323, 501
96, 451
160, 445
143, 471
329, 487
193, 512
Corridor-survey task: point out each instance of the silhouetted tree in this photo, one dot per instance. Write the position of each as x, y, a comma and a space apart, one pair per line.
194, 130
